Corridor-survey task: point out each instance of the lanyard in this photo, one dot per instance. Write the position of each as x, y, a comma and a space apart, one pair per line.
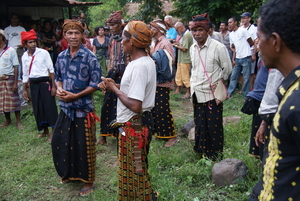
30, 66
6, 48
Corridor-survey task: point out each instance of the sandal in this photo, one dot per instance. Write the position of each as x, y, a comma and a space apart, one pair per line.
186, 96
86, 192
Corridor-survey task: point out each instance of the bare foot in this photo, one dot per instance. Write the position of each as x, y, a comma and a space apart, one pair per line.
171, 142
7, 123
102, 140
44, 134
87, 189
19, 126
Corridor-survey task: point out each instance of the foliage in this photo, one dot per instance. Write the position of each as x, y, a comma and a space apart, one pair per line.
177, 173
148, 10
99, 14
219, 10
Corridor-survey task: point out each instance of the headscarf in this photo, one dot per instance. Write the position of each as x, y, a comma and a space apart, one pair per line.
115, 18
160, 25
29, 35
141, 34
73, 24
2, 32
203, 23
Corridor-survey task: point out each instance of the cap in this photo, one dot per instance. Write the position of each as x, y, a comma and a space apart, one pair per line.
246, 14
106, 27
2, 32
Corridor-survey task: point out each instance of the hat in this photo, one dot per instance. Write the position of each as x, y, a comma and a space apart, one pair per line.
2, 32
246, 14
106, 28
29, 35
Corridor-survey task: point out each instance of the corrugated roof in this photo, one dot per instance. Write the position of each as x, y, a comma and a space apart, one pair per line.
47, 3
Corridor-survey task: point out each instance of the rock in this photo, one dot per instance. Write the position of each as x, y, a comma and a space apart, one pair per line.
232, 119
186, 128
229, 171
191, 135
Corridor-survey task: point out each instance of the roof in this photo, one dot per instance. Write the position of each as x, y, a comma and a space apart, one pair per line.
46, 3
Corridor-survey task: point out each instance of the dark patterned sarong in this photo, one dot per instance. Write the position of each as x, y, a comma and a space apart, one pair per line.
209, 134
162, 115
9, 100
43, 104
134, 180
73, 148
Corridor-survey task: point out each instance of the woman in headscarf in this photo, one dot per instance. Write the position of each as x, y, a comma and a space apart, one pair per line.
136, 96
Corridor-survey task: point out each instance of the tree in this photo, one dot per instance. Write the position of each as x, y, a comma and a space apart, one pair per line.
99, 14
219, 10
148, 10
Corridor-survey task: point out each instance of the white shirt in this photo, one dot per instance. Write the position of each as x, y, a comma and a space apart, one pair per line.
252, 30
239, 39
41, 67
8, 61
217, 63
13, 35
139, 83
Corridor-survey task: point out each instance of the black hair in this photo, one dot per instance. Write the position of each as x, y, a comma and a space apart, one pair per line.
46, 21
282, 17
234, 18
14, 14
199, 18
97, 29
224, 22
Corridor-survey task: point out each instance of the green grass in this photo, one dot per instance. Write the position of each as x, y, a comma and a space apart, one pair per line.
177, 173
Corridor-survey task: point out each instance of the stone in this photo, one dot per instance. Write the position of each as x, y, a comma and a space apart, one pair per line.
186, 128
191, 135
229, 171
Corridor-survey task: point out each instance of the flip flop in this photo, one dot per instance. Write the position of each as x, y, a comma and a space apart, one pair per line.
88, 190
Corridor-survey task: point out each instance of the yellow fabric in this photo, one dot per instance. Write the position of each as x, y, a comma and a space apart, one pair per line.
182, 77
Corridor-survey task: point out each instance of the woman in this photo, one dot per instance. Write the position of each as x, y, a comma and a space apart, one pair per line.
136, 97
100, 47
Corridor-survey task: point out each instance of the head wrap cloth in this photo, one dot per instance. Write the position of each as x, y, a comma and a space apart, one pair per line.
204, 23
160, 25
29, 35
115, 18
141, 34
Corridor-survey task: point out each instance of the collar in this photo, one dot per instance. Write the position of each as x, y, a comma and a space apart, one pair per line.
288, 82
206, 44
161, 38
80, 51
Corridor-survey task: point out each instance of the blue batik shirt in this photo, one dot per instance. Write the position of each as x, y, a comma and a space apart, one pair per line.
76, 74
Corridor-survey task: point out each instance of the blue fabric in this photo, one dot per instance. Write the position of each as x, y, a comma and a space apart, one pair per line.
260, 84
76, 74
243, 64
163, 72
171, 33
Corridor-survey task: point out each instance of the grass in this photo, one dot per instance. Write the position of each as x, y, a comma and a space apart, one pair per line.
27, 171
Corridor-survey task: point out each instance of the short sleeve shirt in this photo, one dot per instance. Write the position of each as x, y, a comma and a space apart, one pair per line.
8, 60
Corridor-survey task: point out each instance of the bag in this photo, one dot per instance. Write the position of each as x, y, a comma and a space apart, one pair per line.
220, 91
250, 106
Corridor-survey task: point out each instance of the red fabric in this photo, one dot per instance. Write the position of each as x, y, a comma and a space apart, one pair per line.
88, 44
29, 35
64, 44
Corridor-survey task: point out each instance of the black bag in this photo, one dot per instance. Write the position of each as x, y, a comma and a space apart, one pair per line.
251, 106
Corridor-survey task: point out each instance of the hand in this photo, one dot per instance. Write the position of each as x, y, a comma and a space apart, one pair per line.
107, 84
253, 57
66, 96
233, 62
53, 91
15, 87
260, 134
25, 95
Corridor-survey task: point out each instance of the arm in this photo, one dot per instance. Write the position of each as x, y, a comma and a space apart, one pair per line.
15, 87
225, 62
260, 134
250, 41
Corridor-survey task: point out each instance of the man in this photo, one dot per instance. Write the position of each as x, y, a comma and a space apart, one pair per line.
279, 47
162, 115
171, 31
225, 34
73, 143
48, 38
182, 77
252, 29
9, 98
115, 70
211, 62
136, 95
12, 35
240, 38
214, 34
37, 65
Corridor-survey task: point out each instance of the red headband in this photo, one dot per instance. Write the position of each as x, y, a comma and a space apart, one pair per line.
203, 24
29, 35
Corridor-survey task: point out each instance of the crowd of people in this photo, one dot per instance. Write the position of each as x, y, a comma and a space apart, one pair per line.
137, 66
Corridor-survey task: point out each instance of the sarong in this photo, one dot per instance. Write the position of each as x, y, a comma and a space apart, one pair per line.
9, 100
134, 180
44, 106
73, 148
209, 134
162, 115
